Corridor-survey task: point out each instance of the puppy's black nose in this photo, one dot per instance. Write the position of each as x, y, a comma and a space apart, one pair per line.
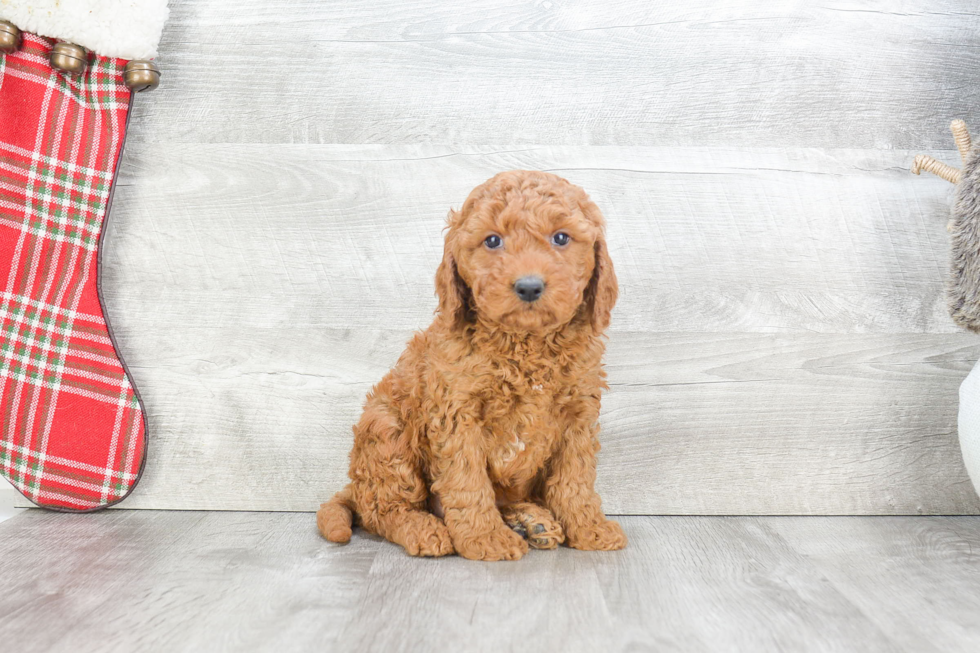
529, 288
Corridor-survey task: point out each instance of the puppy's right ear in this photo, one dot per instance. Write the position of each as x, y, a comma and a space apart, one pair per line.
454, 294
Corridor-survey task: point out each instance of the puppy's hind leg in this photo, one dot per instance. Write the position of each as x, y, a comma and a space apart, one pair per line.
387, 488
534, 523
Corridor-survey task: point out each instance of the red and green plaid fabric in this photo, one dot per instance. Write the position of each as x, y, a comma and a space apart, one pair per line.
72, 431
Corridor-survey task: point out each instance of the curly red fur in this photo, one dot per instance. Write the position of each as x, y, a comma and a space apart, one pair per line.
492, 412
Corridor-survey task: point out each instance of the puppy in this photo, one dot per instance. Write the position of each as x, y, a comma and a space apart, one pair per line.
490, 417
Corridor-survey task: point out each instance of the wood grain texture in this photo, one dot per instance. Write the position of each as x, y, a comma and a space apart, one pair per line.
261, 418
716, 240
781, 345
184, 581
880, 74
898, 574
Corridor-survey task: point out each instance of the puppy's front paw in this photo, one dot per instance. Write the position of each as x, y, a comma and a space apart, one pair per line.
429, 539
604, 536
501, 543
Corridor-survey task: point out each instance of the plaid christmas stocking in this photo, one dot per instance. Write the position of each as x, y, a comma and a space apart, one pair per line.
72, 429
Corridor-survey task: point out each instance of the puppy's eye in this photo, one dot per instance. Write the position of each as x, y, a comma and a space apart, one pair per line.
493, 241
561, 239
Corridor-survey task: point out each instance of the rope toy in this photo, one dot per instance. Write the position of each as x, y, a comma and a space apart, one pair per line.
962, 137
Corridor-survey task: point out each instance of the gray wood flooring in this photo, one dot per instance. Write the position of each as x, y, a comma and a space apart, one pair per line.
214, 581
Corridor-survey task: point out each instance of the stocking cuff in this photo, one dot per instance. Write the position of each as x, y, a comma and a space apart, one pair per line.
127, 29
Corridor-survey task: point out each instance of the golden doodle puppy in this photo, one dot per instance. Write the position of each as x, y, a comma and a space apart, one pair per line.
483, 438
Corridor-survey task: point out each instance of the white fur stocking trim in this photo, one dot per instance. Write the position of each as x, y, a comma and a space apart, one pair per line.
128, 29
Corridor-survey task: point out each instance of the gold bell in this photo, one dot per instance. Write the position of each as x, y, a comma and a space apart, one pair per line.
68, 57
141, 75
9, 37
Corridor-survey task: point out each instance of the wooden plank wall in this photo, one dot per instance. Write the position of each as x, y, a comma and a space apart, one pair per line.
781, 345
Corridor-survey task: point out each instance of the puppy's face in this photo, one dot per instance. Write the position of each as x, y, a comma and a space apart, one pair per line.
527, 251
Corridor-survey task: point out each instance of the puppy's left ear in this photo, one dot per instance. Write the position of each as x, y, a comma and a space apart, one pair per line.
603, 289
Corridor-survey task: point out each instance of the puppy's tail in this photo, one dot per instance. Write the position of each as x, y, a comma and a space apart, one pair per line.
335, 517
